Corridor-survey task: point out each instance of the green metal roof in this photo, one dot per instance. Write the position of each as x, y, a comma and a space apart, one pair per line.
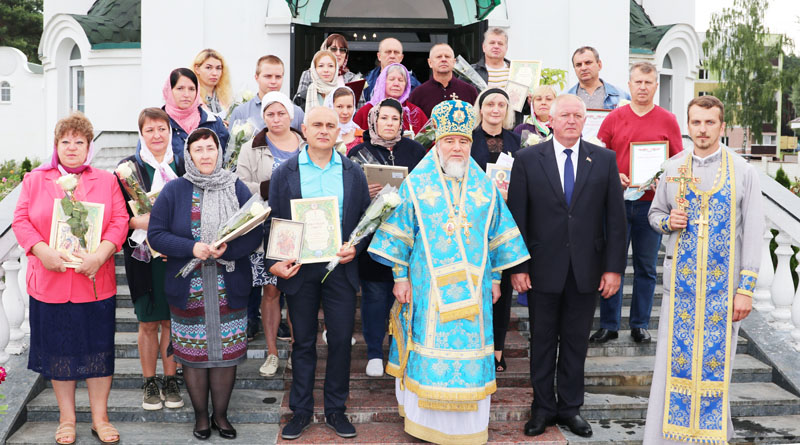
113, 24
644, 36
464, 12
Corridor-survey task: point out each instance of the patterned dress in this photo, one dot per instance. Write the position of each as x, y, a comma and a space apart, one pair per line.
208, 333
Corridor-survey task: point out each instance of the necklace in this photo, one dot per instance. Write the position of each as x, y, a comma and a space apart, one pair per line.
456, 217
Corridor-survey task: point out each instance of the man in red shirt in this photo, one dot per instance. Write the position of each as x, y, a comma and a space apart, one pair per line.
641, 121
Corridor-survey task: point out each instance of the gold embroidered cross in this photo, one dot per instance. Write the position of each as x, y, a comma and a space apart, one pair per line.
397, 269
717, 272
685, 270
714, 364
683, 180
703, 223
478, 198
681, 360
454, 96
430, 195
715, 318
466, 225
685, 316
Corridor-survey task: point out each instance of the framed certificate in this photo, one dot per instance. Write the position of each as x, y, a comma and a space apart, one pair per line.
285, 239
385, 174
322, 236
526, 72
646, 160
517, 95
594, 118
62, 239
500, 176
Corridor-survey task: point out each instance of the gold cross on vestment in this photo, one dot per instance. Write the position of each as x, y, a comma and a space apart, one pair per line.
683, 180
430, 195
478, 198
397, 269
454, 96
466, 225
703, 223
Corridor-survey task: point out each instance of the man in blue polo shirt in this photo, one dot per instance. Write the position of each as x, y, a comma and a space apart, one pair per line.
319, 171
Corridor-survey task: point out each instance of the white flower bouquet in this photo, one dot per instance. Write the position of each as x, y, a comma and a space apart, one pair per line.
241, 132
132, 183
530, 138
244, 96
247, 218
468, 74
377, 212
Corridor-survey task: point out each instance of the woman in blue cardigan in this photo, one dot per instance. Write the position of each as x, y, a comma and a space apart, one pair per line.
184, 223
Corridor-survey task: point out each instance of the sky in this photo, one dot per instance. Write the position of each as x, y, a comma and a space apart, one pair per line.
782, 16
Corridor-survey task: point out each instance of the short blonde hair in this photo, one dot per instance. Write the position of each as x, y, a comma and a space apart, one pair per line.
76, 123
508, 120
544, 89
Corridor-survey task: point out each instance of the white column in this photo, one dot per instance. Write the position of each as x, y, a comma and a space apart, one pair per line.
4, 330
762, 300
782, 285
796, 313
15, 310
23, 290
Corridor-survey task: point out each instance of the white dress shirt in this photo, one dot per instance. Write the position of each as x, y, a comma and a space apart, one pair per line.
561, 159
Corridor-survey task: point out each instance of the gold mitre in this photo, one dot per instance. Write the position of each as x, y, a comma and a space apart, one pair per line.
454, 117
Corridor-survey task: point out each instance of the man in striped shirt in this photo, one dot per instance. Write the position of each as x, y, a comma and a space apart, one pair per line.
493, 66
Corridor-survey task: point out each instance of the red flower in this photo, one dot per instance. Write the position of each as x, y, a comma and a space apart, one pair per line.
2, 374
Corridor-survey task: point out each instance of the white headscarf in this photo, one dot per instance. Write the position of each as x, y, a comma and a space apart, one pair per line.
163, 172
276, 96
347, 127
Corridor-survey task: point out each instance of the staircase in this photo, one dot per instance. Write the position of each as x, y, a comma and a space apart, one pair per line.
618, 376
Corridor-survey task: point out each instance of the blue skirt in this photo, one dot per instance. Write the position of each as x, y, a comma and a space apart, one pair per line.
72, 341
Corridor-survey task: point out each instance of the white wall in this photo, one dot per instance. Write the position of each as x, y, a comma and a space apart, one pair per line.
241, 34
663, 12
551, 31
113, 89
21, 122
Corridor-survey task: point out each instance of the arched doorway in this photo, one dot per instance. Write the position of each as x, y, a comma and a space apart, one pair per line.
418, 24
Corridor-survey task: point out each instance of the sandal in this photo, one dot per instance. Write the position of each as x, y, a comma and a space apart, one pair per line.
104, 432
64, 431
500, 365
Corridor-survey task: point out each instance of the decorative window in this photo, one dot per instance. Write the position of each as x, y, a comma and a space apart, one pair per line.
77, 88
702, 74
5, 91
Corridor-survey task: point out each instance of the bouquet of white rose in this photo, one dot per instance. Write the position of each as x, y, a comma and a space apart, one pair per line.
468, 74
377, 212
530, 138
244, 96
247, 218
241, 132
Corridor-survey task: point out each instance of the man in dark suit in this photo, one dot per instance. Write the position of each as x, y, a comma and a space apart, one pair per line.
319, 171
566, 198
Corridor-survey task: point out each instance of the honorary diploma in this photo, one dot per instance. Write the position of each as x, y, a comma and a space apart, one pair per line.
322, 236
646, 160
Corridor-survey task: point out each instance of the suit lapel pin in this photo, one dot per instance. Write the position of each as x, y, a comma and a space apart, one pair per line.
588, 159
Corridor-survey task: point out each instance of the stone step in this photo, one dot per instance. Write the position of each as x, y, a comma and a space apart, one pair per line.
138, 433
513, 404
748, 430
393, 434
599, 371
125, 405
128, 375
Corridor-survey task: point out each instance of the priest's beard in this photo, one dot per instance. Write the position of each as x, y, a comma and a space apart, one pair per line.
451, 167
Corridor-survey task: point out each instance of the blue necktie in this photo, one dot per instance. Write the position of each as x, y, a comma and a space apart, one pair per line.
569, 176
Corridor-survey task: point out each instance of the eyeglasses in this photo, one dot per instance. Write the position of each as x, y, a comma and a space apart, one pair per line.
334, 49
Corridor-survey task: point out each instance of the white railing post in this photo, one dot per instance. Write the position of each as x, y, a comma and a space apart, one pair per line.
796, 312
4, 330
12, 303
762, 300
23, 290
783, 286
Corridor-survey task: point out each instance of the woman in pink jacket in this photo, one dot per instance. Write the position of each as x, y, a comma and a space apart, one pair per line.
72, 309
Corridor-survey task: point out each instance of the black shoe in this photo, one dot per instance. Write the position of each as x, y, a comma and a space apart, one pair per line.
339, 423
640, 335
603, 335
225, 434
295, 427
252, 329
283, 332
537, 424
500, 365
202, 434
577, 424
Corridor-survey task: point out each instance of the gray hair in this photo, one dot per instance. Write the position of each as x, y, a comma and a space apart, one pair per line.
496, 31
563, 97
644, 68
582, 50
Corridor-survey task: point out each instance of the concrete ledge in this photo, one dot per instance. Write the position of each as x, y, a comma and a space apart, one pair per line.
774, 348
20, 387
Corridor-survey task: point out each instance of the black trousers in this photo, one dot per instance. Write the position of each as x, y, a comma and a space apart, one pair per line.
338, 299
501, 312
559, 323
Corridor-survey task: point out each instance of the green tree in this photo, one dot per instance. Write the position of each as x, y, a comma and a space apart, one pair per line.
739, 47
21, 26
